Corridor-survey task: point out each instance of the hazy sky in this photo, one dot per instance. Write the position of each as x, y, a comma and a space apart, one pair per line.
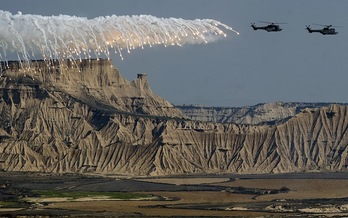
254, 67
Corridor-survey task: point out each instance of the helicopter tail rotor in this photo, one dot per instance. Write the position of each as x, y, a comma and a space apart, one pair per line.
309, 29
253, 26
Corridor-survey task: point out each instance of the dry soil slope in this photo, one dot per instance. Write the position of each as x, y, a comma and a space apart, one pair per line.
95, 121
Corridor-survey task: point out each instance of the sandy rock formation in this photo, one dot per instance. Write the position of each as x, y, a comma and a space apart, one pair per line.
96, 82
95, 121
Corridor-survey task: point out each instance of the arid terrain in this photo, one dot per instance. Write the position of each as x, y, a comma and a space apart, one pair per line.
196, 195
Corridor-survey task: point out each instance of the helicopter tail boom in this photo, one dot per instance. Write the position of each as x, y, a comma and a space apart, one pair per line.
309, 29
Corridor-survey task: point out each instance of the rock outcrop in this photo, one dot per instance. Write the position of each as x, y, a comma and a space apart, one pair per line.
257, 114
88, 118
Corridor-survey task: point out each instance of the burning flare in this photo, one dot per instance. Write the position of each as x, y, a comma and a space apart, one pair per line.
73, 38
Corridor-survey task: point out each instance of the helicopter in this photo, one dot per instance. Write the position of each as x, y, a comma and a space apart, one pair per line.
327, 30
271, 27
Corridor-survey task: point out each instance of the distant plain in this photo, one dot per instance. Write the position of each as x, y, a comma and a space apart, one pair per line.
200, 195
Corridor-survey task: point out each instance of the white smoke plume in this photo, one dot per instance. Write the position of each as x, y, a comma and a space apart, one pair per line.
73, 38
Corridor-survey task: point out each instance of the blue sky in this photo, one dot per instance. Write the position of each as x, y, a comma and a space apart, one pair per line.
254, 67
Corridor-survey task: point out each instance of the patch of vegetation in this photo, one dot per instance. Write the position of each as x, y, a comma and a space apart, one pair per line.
86, 194
9, 204
4, 204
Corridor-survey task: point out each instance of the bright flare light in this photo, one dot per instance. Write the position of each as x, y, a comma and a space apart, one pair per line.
73, 38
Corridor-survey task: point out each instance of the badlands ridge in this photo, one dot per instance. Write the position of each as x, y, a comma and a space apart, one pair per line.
86, 118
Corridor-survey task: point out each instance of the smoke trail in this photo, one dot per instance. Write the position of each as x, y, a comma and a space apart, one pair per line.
74, 38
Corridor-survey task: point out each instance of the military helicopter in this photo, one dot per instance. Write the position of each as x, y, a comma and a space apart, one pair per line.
327, 30
271, 27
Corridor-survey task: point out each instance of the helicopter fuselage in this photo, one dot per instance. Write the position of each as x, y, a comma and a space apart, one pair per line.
268, 28
324, 31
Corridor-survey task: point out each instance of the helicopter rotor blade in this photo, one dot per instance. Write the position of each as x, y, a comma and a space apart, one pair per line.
319, 24
270, 22
264, 21
326, 25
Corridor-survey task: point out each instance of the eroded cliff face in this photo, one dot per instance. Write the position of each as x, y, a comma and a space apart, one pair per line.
92, 121
256, 114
